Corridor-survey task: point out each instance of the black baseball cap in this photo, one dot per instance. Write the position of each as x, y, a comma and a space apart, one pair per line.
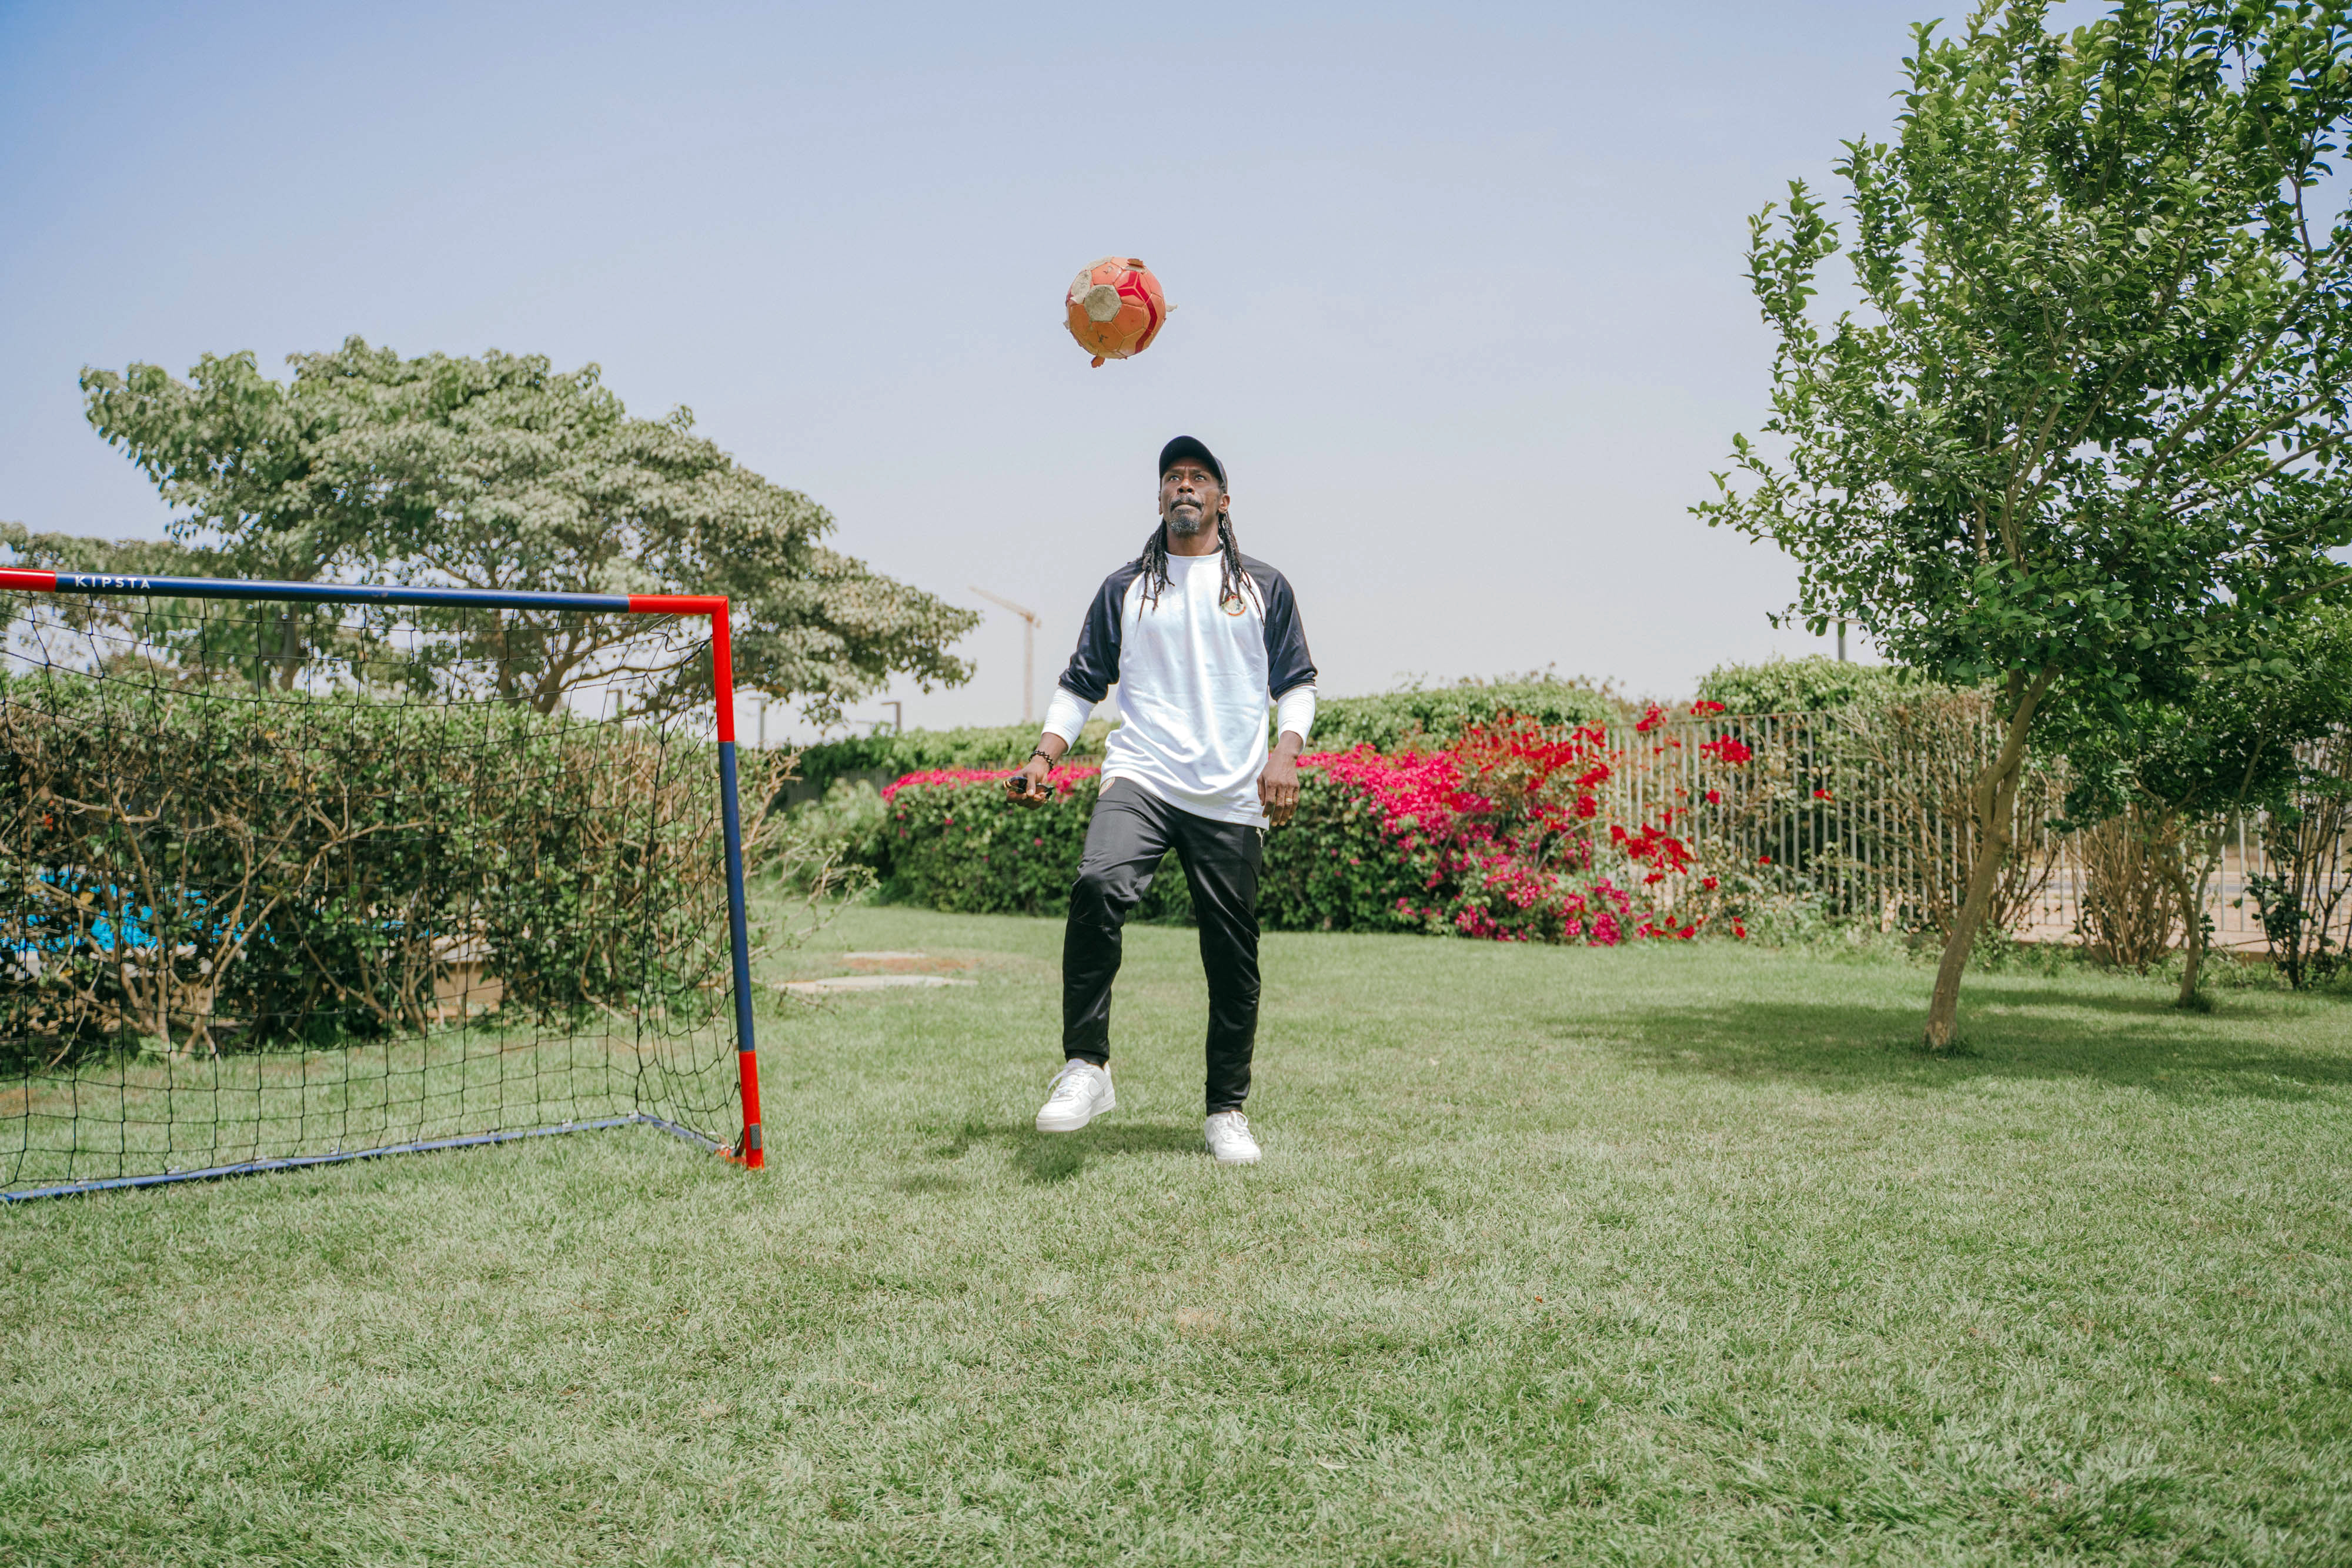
1193, 448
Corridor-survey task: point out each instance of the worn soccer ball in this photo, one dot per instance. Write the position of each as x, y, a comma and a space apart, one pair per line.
1116, 308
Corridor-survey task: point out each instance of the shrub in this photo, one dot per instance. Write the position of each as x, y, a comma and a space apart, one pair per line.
1332, 867
951, 840
1004, 746
2304, 890
1504, 836
213, 873
1427, 717
1392, 721
2129, 911
1810, 684
1518, 833
843, 827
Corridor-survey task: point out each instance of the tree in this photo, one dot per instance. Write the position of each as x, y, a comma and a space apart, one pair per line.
2195, 766
106, 624
2086, 427
501, 472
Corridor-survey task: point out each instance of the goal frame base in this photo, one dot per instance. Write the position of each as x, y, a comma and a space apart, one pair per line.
703, 1141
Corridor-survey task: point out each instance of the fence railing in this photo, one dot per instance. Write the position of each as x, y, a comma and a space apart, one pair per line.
1869, 809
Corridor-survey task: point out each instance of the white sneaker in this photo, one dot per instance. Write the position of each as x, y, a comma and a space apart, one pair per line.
1081, 1093
1230, 1140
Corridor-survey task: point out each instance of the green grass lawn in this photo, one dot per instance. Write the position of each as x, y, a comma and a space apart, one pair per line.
1674, 1254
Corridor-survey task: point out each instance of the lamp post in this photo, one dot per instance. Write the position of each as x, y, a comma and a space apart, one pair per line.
1028, 652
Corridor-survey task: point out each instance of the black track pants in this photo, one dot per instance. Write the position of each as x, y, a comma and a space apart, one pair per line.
1131, 830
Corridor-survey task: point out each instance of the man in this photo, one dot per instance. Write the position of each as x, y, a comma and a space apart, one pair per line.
1199, 637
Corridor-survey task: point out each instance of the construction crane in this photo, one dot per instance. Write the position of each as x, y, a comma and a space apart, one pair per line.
1028, 652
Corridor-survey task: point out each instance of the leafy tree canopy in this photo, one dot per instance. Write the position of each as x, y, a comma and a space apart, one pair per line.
109, 623
2230, 744
21, 547
2087, 429
2095, 406
502, 472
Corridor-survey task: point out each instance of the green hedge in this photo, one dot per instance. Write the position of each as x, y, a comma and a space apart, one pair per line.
923, 751
1430, 716
1436, 716
967, 849
309, 867
1811, 685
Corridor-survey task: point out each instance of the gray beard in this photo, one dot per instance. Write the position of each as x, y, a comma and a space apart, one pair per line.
1180, 528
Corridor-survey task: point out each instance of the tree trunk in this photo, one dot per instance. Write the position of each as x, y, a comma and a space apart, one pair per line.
2189, 894
2192, 957
1993, 801
289, 651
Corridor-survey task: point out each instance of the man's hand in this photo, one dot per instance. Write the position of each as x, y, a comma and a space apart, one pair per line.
1277, 787
1028, 786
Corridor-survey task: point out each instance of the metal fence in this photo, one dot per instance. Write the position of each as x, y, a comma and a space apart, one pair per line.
1869, 811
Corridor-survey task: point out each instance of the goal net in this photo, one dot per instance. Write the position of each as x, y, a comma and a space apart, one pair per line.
292, 873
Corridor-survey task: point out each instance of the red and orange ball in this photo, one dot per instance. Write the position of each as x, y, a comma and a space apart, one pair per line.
1114, 308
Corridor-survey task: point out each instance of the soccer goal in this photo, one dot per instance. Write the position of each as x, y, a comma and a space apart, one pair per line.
300, 873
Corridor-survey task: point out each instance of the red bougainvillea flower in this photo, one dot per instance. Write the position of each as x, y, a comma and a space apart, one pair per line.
1823, 794
1497, 834
1703, 707
1715, 796
1726, 750
1651, 716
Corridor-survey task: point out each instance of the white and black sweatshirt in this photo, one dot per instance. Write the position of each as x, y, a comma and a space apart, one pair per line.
1195, 678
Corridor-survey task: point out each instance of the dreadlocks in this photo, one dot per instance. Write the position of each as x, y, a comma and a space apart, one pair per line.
1232, 582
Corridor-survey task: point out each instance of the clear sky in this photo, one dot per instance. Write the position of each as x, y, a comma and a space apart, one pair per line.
1460, 290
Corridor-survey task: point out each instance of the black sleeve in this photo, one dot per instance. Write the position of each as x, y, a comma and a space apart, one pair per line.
1288, 665
1094, 664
